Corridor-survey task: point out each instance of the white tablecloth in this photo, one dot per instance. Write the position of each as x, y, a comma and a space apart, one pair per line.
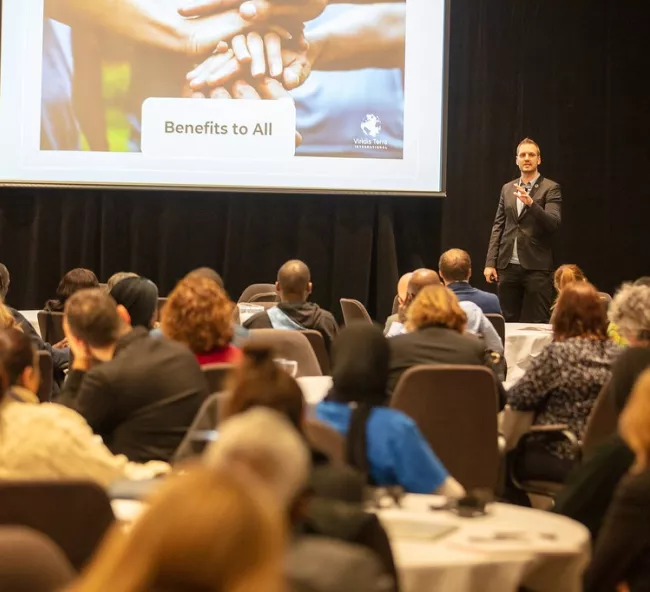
524, 341
548, 555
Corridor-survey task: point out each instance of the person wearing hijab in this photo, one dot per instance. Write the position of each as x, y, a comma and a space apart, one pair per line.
140, 298
384, 444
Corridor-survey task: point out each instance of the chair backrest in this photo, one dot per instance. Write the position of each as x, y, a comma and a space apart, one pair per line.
252, 293
395, 309
264, 304
46, 370
605, 297
292, 345
31, 562
353, 310
74, 514
51, 326
317, 342
601, 424
326, 439
455, 407
216, 375
499, 324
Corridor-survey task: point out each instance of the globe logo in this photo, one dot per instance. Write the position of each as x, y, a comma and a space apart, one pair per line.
371, 125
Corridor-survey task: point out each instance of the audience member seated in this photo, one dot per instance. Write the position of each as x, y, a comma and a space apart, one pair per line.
139, 296
49, 441
7, 320
118, 277
436, 326
138, 393
60, 355
629, 311
567, 274
402, 288
206, 530
294, 312
420, 279
73, 281
384, 444
266, 443
562, 383
198, 313
621, 559
455, 269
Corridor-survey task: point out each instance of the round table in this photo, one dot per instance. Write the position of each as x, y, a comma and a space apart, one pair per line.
509, 547
524, 341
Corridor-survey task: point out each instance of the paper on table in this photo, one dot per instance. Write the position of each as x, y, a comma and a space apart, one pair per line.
421, 531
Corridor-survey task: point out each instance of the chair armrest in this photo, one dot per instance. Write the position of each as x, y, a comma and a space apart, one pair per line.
557, 429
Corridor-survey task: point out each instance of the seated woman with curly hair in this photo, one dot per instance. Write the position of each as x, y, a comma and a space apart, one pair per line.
199, 313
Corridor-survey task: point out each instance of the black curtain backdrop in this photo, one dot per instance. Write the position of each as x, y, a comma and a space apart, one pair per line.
572, 75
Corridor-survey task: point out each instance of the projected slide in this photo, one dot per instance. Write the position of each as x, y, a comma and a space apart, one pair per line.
304, 95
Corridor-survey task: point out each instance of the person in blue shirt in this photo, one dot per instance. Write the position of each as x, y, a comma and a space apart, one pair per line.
384, 444
455, 269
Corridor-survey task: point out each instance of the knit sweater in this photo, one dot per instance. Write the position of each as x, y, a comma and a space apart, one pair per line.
50, 441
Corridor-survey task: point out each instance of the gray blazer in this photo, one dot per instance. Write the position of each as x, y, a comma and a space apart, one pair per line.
533, 229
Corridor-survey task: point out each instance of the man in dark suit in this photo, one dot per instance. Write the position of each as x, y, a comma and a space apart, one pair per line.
520, 256
140, 394
455, 268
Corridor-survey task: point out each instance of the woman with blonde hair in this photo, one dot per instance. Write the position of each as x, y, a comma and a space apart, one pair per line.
208, 530
567, 274
7, 320
622, 554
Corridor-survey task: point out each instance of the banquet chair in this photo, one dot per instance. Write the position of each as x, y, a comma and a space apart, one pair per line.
499, 325
51, 326
317, 342
46, 371
259, 293
74, 514
31, 562
216, 375
207, 418
602, 423
455, 407
353, 311
291, 345
605, 297
327, 440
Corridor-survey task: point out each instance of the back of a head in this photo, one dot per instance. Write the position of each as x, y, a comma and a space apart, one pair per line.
207, 273
630, 311
258, 382
140, 298
16, 354
455, 265
420, 279
567, 274
360, 359
403, 284
75, 280
208, 530
92, 318
198, 313
436, 306
269, 446
5, 280
118, 277
294, 278
7, 320
579, 312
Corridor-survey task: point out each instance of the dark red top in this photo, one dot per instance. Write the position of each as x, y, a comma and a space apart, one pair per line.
225, 355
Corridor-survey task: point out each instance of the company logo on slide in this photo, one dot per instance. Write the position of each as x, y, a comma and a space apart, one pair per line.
371, 125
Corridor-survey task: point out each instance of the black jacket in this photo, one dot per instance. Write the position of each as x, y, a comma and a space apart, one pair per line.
436, 345
307, 314
143, 401
533, 229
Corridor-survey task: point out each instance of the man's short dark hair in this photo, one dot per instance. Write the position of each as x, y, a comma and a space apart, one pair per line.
5, 279
455, 265
294, 277
93, 318
208, 273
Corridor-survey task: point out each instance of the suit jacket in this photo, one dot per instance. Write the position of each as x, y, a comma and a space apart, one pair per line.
435, 345
143, 401
533, 229
486, 301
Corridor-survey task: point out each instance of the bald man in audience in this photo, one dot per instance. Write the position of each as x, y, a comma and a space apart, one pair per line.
138, 393
402, 287
294, 312
420, 279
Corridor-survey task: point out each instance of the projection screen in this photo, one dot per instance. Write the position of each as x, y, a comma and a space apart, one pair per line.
256, 95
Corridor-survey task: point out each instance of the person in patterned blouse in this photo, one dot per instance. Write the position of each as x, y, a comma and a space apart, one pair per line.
562, 383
